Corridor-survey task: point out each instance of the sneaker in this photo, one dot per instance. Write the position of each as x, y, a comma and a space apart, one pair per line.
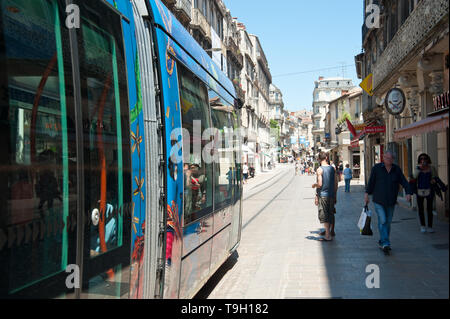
430, 230
423, 229
386, 250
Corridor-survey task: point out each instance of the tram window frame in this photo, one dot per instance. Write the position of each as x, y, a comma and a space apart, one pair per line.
195, 216
118, 252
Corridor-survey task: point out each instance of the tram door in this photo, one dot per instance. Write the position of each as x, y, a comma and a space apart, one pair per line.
106, 153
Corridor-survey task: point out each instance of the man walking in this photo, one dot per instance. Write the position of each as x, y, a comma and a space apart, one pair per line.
384, 182
326, 195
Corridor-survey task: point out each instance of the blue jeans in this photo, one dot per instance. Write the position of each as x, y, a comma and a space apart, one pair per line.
347, 185
385, 215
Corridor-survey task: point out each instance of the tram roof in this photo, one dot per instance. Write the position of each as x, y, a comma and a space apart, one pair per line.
169, 23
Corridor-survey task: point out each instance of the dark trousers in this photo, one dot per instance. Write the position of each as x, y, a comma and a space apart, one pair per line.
420, 204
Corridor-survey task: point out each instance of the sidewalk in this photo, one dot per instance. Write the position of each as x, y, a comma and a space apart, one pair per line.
418, 266
281, 257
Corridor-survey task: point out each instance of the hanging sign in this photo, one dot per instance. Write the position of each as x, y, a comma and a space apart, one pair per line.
395, 101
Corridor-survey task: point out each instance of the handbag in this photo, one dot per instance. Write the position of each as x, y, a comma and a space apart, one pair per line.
364, 222
423, 192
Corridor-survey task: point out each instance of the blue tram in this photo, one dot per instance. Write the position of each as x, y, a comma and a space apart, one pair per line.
111, 185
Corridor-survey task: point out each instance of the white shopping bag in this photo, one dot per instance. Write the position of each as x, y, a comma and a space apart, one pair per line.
362, 219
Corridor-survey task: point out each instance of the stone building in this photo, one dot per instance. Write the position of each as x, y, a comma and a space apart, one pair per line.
325, 90
212, 26
409, 51
261, 84
240, 56
344, 146
276, 109
182, 9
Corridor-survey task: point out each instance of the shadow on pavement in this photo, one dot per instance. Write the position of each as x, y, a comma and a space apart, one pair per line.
218, 276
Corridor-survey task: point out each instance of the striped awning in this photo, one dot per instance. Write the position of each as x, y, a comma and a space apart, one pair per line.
431, 124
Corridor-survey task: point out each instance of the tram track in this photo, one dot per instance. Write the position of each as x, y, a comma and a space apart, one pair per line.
260, 211
254, 193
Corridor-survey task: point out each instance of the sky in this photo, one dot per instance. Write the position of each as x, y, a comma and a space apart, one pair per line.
299, 36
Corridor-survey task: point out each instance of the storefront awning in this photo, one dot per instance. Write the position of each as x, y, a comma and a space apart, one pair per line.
430, 124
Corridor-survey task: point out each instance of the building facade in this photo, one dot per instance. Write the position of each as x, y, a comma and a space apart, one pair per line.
409, 51
241, 56
345, 147
325, 90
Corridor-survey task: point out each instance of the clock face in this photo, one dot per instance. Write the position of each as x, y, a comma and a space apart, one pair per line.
395, 101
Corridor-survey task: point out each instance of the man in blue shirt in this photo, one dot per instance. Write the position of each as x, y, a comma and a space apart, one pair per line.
384, 183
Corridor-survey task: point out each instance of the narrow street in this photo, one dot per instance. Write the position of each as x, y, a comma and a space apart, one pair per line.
281, 257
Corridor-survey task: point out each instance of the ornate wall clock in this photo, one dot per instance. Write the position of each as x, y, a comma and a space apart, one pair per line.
395, 101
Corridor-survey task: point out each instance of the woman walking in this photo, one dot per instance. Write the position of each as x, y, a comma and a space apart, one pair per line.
348, 175
424, 175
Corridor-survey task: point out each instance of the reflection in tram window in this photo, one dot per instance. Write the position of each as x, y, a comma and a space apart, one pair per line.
106, 148
198, 177
99, 67
35, 131
225, 169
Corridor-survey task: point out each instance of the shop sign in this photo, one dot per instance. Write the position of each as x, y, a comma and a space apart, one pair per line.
375, 129
367, 84
354, 144
441, 102
395, 101
359, 127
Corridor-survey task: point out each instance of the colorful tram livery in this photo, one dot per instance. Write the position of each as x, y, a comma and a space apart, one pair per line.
96, 202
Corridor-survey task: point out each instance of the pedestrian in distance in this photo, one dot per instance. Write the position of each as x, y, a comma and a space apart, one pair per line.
245, 172
348, 175
385, 179
424, 176
326, 188
340, 170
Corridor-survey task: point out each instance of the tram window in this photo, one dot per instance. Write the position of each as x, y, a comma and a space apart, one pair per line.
101, 89
225, 170
198, 175
37, 167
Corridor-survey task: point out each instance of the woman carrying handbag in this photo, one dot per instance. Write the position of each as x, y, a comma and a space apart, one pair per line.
424, 175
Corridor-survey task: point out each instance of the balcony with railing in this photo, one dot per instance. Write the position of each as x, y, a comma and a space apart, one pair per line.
234, 52
418, 27
200, 23
184, 9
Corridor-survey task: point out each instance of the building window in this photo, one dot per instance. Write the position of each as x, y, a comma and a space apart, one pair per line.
204, 8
